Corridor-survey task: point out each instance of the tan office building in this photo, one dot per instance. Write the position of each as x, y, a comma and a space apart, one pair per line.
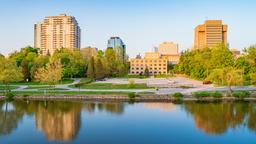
169, 51
153, 61
210, 34
57, 32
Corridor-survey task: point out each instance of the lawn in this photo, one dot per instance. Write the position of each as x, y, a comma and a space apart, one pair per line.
67, 93
10, 87
64, 81
111, 86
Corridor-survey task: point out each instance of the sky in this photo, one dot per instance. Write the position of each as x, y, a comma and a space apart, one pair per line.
142, 24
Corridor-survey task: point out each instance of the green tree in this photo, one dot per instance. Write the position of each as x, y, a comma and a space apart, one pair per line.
40, 62
111, 62
253, 78
146, 72
99, 69
51, 74
25, 70
9, 72
227, 76
91, 69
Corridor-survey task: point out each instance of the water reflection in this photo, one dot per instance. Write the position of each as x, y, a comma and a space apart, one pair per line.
217, 118
62, 121
58, 120
167, 107
110, 107
9, 118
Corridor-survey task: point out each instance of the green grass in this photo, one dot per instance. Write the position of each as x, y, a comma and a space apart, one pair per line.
67, 93
63, 81
111, 86
10, 87
86, 80
241, 94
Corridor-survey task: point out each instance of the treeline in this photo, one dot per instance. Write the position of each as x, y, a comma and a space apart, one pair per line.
71, 63
219, 65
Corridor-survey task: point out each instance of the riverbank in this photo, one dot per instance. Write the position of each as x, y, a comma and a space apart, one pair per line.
125, 98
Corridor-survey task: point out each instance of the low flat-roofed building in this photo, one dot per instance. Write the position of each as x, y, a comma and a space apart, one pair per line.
236, 53
153, 61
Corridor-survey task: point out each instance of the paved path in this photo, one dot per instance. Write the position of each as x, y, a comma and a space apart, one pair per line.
174, 87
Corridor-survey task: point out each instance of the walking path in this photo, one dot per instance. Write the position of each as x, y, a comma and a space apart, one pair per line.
173, 85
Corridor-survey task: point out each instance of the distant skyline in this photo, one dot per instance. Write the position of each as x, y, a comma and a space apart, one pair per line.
141, 24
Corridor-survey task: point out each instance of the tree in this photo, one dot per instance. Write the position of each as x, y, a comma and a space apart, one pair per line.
39, 62
253, 78
91, 69
111, 62
227, 76
99, 69
9, 72
199, 64
51, 74
25, 70
146, 72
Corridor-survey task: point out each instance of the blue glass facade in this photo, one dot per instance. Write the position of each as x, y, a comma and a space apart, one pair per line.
119, 47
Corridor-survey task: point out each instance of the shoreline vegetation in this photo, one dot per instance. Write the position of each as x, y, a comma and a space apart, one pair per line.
204, 96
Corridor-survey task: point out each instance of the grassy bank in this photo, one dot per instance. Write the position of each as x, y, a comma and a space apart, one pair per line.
10, 87
111, 86
65, 93
64, 81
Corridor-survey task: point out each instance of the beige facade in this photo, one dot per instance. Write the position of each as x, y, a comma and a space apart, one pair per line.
168, 48
210, 34
153, 61
57, 32
169, 51
236, 53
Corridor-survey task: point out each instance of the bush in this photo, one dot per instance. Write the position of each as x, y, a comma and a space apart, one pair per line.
177, 95
241, 94
201, 94
216, 94
131, 95
25, 95
131, 84
9, 95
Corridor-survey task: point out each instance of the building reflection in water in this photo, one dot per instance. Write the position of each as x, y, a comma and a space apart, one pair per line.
167, 107
59, 121
217, 118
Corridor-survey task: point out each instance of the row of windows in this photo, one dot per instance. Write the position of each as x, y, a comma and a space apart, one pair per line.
148, 65
149, 68
149, 72
149, 61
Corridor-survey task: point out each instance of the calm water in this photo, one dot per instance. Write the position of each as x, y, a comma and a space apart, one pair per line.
159, 123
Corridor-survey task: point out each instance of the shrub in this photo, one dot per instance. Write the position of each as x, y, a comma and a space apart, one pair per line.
241, 94
131, 95
216, 94
25, 95
177, 95
131, 84
9, 95
201, 94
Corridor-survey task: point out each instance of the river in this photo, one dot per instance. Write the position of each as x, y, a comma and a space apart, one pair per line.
127, 123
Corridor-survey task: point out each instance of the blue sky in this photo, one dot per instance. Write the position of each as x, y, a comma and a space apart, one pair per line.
142, 24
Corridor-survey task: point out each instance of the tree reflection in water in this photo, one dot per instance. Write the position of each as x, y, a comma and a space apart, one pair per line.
217, 118
8, 118
111, 107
